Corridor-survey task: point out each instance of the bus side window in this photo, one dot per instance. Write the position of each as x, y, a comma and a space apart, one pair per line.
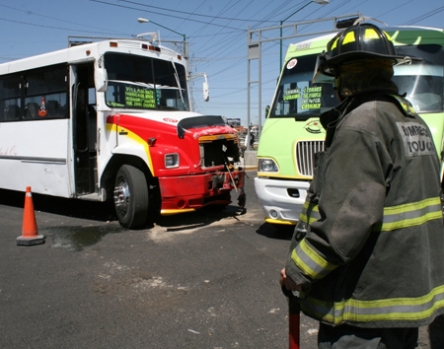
12, 112
10, 92
31, 111
48, 83
53, 109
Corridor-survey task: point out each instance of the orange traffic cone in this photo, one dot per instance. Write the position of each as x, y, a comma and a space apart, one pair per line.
29, 229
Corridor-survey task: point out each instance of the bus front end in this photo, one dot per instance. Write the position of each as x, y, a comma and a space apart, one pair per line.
292, 134
285, 168
191, 160
162, 158
200, 166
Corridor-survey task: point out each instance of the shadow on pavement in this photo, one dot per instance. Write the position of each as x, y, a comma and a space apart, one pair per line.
275, 231
83, 209
200, 218
104, 211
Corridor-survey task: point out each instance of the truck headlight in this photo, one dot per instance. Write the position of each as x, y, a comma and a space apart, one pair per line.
267, 165
171, 160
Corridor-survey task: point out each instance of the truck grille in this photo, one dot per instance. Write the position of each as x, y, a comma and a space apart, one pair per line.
305, 151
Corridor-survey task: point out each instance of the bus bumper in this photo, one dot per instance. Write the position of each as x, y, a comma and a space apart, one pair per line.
281, 200
188, 193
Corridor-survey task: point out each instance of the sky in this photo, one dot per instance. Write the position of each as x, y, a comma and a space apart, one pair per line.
216, 33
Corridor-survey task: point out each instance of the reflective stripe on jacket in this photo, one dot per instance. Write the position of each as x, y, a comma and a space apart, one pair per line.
373, 255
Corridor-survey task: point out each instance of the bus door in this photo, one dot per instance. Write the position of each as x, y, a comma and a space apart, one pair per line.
84, 129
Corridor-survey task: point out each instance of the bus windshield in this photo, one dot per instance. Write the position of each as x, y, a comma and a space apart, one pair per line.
137, 82
422, 81
297, 96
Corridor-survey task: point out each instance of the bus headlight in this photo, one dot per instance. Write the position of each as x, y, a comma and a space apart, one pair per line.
267, 165
171, 160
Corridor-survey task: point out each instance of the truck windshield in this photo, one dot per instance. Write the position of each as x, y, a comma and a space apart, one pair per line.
297, 96
137, 82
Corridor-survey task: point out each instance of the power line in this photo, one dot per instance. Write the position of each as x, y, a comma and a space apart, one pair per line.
226, 8
47, 26
426, 15
49, 17
198, 7
186, 13
167, 15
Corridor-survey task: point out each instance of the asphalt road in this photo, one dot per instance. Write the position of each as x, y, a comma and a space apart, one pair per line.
203, 280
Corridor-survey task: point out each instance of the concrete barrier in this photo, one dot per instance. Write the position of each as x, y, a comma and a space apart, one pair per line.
250, 159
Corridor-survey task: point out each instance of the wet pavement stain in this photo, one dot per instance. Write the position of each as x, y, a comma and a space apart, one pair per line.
75, 238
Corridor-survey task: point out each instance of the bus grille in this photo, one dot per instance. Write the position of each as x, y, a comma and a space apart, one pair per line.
305, 151
219, 152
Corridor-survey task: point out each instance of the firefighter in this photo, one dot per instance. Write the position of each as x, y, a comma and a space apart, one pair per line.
367, 252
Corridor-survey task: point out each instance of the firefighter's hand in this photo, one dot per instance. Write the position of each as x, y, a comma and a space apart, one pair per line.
288, 283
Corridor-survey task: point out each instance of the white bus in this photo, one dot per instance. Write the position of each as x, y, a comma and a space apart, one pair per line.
111, 120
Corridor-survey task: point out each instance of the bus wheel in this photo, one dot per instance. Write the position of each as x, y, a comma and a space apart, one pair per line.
131, 197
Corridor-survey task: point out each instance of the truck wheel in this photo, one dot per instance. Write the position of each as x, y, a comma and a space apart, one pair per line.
131, 197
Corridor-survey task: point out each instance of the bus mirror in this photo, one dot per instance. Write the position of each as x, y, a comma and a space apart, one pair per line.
267, 111
101, 79
206, 92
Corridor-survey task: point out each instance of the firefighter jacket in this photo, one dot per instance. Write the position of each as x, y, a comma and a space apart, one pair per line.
368, 249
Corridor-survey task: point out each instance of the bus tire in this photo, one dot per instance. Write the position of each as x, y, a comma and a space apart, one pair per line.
131, 197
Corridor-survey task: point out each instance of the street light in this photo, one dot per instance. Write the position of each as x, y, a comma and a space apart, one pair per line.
185, 53
319, 2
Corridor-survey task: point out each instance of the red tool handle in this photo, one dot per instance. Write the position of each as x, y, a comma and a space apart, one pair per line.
294, 319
